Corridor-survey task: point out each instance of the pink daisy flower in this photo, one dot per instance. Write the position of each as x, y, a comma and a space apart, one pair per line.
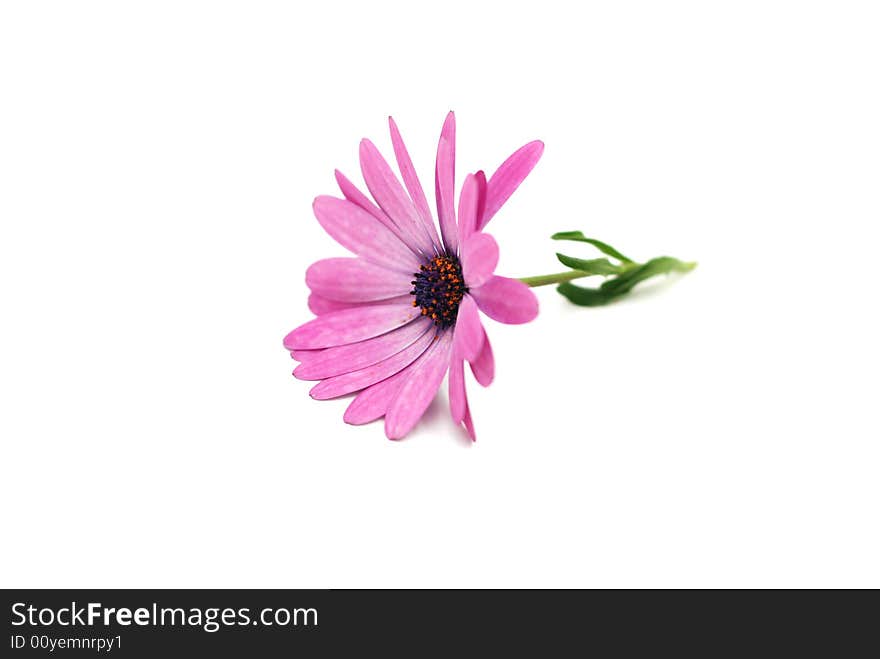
406, 309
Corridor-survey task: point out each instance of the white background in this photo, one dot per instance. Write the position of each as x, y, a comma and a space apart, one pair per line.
157, 167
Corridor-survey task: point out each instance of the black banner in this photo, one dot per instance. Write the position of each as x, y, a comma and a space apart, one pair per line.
151, 623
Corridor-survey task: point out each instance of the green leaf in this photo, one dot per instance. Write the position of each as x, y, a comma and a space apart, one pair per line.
611, 289
592, 266
605, 248
584, 297
661, 265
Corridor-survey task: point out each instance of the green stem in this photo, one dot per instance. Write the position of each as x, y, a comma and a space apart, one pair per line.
568, 275
558, 278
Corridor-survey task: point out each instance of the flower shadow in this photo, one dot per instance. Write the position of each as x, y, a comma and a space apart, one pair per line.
436, 422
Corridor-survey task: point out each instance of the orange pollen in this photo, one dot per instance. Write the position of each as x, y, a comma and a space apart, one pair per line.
438, 288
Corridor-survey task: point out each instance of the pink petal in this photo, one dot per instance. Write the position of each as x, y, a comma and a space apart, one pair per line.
355, 229
351, 192
457, 392
372, 403
362, 378
468, 330
350, 325
355, 356
419, 389
506, 300
469, 425
507, 178
479, 257
444, 184
320, 305
391, 197
473, 194
304, 355
355, 280
483, 367
482, 187
412, 183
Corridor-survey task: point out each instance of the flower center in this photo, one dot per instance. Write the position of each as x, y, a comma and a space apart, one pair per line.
439, 287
